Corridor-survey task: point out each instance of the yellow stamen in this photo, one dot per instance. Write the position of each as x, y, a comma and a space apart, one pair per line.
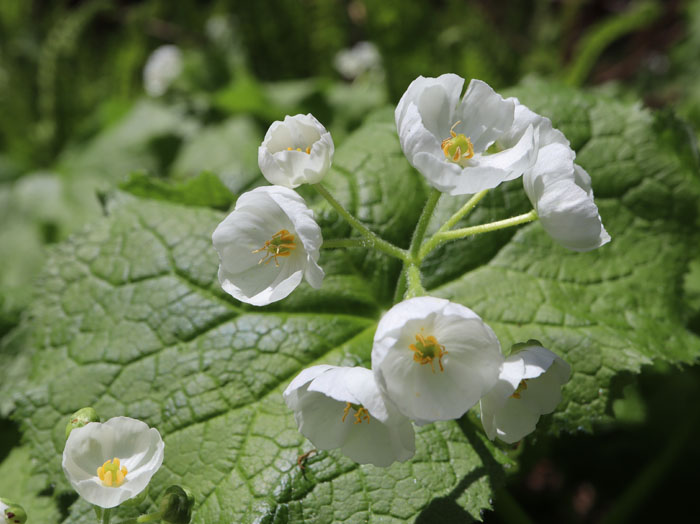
110, 473
361, 413
457, 147
307, 150
426, 349
280, 245
521, 387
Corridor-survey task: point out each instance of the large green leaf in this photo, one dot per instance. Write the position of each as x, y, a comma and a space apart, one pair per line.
130, 319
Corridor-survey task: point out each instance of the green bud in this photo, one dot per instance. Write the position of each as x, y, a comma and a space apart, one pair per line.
80, 418
176, 505
13, 512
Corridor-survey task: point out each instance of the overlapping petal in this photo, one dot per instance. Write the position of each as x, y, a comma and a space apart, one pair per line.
250, 270
138, 448
430, 112
529, 385
298, 150
466, 357
327, 403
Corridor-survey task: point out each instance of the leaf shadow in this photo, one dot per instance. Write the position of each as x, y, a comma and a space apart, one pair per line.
446, 509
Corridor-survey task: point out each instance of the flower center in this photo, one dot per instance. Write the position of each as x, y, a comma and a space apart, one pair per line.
111, 474
426, 349
280, 245
521, 387
361, 413
307, 150
458, 147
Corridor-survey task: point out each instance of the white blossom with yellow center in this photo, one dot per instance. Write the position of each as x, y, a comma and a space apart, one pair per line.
295, 151
108, 463
342, 407
267, 245
529, 385
434, 358
449, 141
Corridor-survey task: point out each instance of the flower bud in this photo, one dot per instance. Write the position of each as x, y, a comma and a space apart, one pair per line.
11, 512
295, 151
176, 505
80, 418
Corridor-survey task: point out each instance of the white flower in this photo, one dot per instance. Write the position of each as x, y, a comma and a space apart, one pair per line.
362, 57
559, 190
296, 151
529, 385
434, 359
108, 463
341, 407
162, 67
448, 141
266, 245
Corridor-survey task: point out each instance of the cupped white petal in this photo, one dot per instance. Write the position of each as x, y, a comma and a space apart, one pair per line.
326, 400
529, 385
461, 365
248, 270
138, 447
429, 117
298, 150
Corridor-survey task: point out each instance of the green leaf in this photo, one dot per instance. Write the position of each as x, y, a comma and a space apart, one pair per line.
229, 149
206, 190
19, 484
130, 318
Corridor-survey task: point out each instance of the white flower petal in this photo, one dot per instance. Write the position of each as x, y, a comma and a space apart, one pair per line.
259, 215
292, 168
422, 391
537, 374
138, 447
429, 112
319, 397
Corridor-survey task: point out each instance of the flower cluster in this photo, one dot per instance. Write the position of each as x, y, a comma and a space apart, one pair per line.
431, 359
270, 241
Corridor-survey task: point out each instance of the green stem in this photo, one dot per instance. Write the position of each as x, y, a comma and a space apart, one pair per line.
106, 515
372, 240
423, 222
149, 517
343, 242
456, 234
464, 211
415, 288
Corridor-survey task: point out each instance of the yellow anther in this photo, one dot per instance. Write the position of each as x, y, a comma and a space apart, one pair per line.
521, 387
457, 147
110, 473
280, 245
307, 150
361, 413
426, 349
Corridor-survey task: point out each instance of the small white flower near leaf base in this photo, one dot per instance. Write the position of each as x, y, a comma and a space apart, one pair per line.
111, 462
268, 243
296, 151
342, 407
163, 66
529, 385
450, 141
434, 359
559, 190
